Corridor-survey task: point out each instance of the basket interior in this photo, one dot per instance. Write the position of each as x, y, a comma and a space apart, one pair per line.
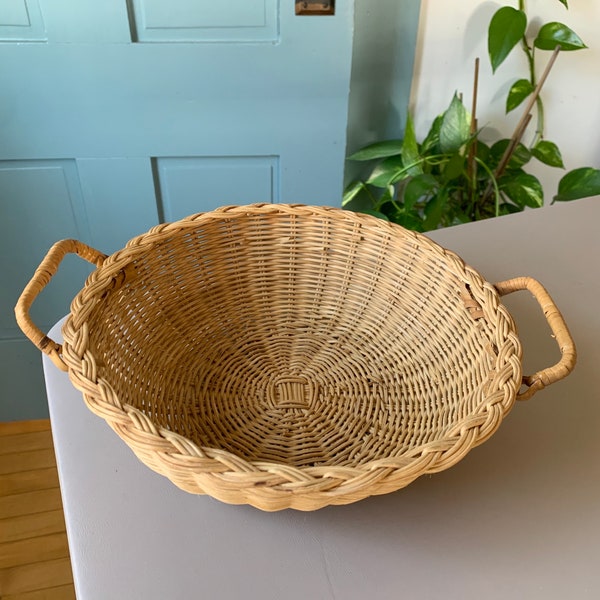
295, 340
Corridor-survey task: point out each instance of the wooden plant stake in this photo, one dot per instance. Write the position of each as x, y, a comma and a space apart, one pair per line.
471, 164
523, 122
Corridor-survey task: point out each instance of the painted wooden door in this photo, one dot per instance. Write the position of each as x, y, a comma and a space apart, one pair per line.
118, 114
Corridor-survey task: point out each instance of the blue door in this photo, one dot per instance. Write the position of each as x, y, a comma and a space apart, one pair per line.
119, 114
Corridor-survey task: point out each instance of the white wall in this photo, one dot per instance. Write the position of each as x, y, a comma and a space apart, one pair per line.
383, 52
452, 34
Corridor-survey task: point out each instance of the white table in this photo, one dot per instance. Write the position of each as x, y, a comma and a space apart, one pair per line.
518, 518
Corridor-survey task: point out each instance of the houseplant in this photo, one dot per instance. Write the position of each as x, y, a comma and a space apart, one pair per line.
452, 175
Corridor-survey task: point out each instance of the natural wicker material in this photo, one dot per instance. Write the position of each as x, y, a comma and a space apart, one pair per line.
292, 356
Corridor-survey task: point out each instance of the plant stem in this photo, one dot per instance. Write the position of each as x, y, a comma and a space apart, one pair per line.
530, 54
471, 164
539, 130
540, 124
404, 170
493, 184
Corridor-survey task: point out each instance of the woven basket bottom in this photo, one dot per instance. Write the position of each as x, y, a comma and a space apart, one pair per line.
309, 399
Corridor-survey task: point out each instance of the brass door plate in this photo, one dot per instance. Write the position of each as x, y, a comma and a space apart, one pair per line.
324, 7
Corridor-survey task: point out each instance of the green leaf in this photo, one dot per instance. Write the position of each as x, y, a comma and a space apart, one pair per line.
434, 210
521, 155
375, 213
507, 208
557, 34
523, 189
455, 126
353, 189
564, 2
378, 150
454, 167
432, 139
517, 93
548, 153
400, 175
483, 151
506, 29
418, 187
408, 219
384, 172
387, 196
579, 183
461, 217
410, 149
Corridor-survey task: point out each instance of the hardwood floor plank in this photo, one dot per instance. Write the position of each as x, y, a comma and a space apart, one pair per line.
25, 442
28, 481
14, 427
35, 549
36, 576
63, 592
19, 462
34, 552
27, 526
30, 503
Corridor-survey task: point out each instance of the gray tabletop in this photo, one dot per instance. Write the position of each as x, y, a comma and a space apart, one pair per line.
519, 517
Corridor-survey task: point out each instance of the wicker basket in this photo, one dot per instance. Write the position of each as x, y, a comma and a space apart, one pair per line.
292, 356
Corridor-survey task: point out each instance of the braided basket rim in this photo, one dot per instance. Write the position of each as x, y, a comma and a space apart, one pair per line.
267, 485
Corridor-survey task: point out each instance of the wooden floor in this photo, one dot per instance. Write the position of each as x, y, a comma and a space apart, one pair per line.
34, 555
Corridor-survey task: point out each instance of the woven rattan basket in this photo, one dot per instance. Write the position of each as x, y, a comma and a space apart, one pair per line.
292, 356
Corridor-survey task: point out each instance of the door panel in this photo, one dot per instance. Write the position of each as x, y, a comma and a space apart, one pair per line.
21, 20
86, 22
145, 110
205, 20
119, 199
223, 180
47, 195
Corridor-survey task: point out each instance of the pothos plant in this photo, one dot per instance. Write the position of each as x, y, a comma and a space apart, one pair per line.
452, 176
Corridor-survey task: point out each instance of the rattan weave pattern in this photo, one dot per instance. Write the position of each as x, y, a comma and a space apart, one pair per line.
291, 356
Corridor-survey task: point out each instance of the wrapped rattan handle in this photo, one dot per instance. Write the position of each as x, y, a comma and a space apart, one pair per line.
39, 281
559, 328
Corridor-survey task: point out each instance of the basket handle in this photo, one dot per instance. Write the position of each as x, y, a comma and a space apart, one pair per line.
39, 281
557, 324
